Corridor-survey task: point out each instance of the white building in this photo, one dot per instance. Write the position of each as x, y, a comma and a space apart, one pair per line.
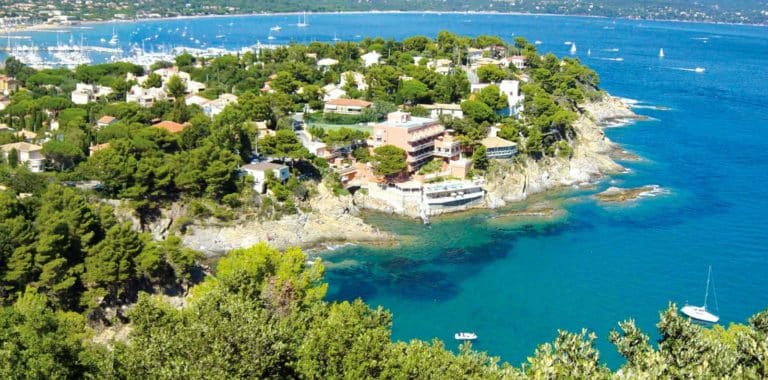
259, 172
146, 97
86, 93
215, 107
436, 110
511, 88
371, 58
27, 154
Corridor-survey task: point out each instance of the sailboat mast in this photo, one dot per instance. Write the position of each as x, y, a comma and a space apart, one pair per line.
709, 273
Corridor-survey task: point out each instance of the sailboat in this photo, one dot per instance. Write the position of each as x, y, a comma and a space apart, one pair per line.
113, 41
303, 23
573, 48
700, 312
661, 53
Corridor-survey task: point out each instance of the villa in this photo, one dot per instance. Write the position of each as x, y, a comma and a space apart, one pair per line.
8, 85
259, 172
105, 121
170, 126
87, 93
346, 106
436, 110
499, 148
95, 148
28, 154
145, 97
415, 135
371, 58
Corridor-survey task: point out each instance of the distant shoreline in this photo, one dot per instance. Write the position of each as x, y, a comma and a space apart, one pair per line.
46, 27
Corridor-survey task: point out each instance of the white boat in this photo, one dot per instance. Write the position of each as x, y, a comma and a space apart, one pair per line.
701, 313
589, 51
303, 22
276, 28
113, 41
465, 336
567, 43
699, 70
537, 42
573, 48
271, 37
661, 53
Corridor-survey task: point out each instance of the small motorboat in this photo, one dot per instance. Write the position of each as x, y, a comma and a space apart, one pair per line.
465, 336
699, 70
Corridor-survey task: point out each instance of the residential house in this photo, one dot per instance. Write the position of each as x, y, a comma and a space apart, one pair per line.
447, 147
436, 110
28, 154
26, 135
215, 107
346, 106
332, 91
171, 126
511, 88
516, 60
196, 100
87, 93
415, 135
95, 148
259, 172
499, 148
145, 97
8, 85
325, 63
371, 58
105, 121
357, 77
4, 102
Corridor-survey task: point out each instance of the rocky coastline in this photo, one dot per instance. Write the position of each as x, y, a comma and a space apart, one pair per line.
336, 220
332, 220
594, 157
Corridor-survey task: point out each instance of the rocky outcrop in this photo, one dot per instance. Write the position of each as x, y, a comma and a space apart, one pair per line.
331, 220
592, 158
618, 195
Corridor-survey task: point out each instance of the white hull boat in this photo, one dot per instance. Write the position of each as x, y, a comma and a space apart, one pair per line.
700, 313
465, 336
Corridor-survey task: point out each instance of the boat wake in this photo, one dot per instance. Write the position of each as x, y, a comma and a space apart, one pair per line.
617, 59
613, 50
698, 70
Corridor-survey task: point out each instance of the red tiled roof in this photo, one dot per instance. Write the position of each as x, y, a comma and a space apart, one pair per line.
99, 147
106, 119
170, 126
349, 103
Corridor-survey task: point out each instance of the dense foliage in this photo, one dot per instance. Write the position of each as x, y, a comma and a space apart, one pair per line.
262, 315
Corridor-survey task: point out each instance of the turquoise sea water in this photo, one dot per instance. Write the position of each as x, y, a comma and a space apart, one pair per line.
516, 282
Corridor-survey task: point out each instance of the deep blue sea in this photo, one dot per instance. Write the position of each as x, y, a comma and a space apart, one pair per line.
515, 282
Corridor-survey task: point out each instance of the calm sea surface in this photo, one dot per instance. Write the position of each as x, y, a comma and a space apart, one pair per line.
516, 282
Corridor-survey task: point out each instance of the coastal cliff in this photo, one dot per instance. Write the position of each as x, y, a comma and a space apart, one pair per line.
514, 180
592, 158
331, 220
